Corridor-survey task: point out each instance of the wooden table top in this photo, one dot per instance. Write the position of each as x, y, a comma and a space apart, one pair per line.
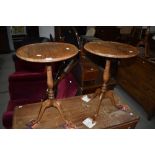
111, 49
47, 52
76, 110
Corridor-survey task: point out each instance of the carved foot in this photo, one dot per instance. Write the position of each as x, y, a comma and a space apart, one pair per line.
110, 95
69, 125
32, 124
123, 107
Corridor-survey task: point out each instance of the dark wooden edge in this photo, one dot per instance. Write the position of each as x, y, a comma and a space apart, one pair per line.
127, 125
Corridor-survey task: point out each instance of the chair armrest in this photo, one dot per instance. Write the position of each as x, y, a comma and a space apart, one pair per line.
29, 86
23, 75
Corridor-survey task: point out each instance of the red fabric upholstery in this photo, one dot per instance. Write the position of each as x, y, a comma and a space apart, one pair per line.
67, 87
23, 85
21, 65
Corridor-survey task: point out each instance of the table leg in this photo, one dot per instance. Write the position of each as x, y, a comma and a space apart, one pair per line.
106, 77
104, 93
50, 102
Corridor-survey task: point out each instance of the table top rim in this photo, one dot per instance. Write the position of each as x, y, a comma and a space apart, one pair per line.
111, 55
47, 60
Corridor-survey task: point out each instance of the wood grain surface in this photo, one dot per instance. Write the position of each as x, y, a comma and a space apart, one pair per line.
111, 49
76, 110
136, 76
47, 52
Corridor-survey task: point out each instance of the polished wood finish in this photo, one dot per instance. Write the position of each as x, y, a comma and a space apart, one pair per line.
91, 73
76, 110
88, 75
47, 52
111, 49
103, 93
89, 69
137, 77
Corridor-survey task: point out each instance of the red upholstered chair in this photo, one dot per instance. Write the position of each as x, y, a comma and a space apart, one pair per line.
28, 85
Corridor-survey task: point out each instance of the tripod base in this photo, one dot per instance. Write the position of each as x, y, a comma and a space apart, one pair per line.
108, 94
45, 105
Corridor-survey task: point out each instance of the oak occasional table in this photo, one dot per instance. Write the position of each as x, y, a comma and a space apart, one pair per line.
109, 50
77, 110
47, 53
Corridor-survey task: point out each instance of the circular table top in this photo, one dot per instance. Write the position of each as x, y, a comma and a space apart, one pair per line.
111, 49
46, 52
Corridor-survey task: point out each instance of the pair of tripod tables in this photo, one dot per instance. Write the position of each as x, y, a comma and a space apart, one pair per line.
51, 52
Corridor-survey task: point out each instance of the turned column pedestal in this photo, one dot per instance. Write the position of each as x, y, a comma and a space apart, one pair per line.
109, 50
48, 53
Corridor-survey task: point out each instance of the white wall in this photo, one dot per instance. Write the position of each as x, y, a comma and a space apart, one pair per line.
45, 31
